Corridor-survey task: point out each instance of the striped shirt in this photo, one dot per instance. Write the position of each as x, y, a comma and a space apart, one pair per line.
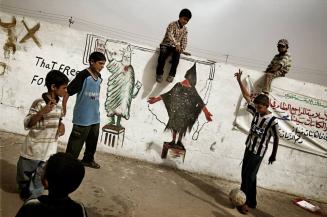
41, 140
262, 129
175, 35
283, 60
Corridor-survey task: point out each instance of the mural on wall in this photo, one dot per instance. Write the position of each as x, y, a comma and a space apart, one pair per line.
3, 67
302, 119
121, 90
31, 34
183, 105
122, 86
10, 46
10, 26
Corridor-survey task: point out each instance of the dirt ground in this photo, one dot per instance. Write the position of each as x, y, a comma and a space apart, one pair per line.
126, 188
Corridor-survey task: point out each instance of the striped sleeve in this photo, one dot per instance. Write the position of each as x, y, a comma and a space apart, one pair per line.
251, 108
274, 130
286, 63
271, 63
34, 109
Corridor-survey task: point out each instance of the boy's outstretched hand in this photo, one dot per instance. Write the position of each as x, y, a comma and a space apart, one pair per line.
238, 75
271, 159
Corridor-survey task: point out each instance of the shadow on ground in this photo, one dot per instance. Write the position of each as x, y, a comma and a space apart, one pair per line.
8, 177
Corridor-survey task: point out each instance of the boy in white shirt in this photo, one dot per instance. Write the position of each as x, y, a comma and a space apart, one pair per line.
44, 124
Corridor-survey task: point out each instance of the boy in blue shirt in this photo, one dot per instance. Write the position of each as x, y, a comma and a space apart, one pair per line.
86, 116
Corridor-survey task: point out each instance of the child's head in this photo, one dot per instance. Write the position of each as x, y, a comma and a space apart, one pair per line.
56, 82
63, 174
184, 16
282, 46
97, 61
261, 103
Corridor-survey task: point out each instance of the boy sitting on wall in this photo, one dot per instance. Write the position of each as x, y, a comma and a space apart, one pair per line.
174, 43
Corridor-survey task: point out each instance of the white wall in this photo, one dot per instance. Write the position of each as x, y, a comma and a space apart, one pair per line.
219, 149
246, 30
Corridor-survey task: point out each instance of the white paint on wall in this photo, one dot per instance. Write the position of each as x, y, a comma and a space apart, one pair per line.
219, 148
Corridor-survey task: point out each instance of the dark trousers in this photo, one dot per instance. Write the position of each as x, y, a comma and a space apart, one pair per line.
250, 167
81, 134
165, 51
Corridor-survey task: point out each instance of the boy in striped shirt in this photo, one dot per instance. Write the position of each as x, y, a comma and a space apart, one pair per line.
263, 127
44, 124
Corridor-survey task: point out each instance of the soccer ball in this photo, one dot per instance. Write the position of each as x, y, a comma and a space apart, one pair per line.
237, 197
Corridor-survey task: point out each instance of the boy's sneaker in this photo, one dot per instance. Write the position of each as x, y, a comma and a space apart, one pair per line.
252, 206
159, 78
170, 79
91, 164
243, 209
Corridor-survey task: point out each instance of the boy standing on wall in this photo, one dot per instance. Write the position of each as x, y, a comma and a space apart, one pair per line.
86, 116
174, 43
263, 127
44, 124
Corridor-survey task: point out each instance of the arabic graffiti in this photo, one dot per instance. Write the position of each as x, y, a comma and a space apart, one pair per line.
307, 100
301, 115
298, 134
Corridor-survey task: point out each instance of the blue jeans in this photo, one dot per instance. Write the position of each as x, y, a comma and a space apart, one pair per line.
29, 177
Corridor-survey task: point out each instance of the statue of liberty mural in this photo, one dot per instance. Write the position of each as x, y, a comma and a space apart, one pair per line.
121, 86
